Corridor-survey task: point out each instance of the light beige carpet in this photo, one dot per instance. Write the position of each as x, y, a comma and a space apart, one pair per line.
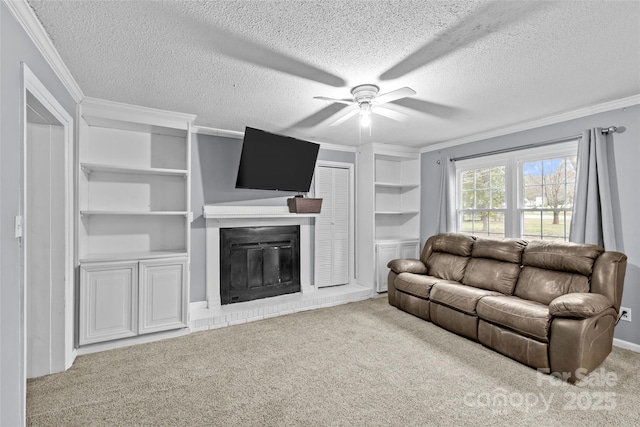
360, 364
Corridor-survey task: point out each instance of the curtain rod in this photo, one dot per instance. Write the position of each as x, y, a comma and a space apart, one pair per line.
605, 131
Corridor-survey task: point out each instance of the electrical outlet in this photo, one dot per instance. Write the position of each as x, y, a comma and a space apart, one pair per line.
626, 314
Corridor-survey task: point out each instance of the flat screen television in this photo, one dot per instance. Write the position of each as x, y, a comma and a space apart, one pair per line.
276, 162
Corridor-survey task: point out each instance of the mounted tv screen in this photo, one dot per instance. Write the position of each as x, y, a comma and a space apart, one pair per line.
276, 162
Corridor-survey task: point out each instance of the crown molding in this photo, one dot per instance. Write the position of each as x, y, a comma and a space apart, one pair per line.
224, 133
115, 110
559, 118
205, 130
28, 20
393, 150
337, 147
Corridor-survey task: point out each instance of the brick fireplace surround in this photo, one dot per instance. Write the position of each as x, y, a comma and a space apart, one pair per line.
211, 314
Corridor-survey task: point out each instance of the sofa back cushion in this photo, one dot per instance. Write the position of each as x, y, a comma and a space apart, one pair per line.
507, 250
491, 275
447, 266
543, 286
448, 255
561, 256
551, 269
494, 264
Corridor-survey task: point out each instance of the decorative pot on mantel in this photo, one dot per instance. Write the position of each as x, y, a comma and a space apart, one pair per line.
304, 205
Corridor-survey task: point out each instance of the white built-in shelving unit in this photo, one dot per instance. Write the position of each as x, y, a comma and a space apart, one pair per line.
134, 220
388, 210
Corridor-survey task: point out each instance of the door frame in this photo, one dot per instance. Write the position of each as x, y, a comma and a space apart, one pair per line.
32, 85
350, 168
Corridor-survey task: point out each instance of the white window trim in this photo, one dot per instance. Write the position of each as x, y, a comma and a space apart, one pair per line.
513, 162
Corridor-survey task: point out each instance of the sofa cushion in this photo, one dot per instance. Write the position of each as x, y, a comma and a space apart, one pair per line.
561, 256
407, 265
491, 275
417, 285
447, 266
453, 243
507, 250
528, 318
461, 297
543, 286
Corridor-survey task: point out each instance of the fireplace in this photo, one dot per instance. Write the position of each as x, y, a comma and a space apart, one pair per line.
219, 217
259, 262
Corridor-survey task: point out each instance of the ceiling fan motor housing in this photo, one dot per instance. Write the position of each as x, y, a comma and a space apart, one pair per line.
364, 93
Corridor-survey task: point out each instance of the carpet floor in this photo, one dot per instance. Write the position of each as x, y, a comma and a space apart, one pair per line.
359, 364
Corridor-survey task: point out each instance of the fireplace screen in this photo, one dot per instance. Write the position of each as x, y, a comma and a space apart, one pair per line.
259, 262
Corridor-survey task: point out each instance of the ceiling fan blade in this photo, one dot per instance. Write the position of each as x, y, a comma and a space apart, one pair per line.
339, 101
426, 107
393, 95
489, 18
317, 117
208, 36
345, 117
394, 115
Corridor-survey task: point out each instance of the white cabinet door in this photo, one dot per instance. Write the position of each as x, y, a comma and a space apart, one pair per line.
108, 301
332, 227
385, 252
409, 250
163, 295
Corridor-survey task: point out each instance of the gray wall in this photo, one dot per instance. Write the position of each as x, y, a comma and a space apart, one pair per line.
214, 166
15, 47
626, 150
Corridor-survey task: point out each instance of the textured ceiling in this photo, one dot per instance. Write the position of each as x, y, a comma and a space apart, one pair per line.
475, 65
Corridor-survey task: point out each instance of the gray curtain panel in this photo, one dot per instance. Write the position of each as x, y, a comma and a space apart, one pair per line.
592, 217
447, 220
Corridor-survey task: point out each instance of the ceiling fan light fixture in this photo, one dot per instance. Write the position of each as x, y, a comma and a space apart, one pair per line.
365, 114
365, 97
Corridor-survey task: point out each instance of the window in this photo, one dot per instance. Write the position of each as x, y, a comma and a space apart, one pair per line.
524, 193
483, 201
547, 197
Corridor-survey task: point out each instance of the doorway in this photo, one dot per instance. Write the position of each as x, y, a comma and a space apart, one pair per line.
47, 232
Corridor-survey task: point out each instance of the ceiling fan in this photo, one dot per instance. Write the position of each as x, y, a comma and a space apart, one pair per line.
366, 101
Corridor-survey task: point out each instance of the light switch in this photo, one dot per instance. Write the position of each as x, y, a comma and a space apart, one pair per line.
17, 223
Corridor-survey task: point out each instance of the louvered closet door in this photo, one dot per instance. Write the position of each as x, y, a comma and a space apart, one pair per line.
332, 227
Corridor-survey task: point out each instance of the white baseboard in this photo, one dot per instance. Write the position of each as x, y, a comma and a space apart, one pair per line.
626, 344
197, 305
126, 342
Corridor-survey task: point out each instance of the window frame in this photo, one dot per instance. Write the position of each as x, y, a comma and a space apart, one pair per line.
513, 161
483, 163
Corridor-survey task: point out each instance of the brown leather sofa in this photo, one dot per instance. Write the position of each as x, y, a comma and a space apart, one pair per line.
550, 305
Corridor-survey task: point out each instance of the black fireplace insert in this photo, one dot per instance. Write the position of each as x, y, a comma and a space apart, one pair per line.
259, 262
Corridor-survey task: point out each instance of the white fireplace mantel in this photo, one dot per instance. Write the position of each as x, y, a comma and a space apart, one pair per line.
223, 216
252, 212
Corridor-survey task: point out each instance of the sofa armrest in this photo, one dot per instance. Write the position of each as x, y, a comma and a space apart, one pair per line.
579, 305
407, 266
578, 346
